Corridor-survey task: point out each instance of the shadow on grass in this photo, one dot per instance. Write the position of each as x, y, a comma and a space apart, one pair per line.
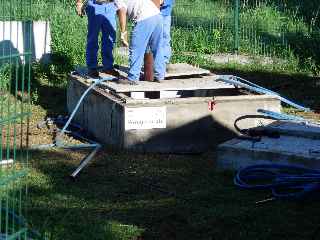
303, 45
52, 98
124, 195
110, 190
49, 81
306, 47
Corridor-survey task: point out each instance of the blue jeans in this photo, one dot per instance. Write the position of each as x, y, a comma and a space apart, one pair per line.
166, 38
101, 17
147, 32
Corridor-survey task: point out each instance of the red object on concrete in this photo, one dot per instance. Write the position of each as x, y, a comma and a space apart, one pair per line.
148, 67
211, 105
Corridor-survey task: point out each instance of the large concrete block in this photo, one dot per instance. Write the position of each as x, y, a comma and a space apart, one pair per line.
201, 115
298, 144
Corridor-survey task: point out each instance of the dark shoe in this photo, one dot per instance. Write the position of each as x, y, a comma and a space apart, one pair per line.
112, 72
127, 82
158, 81
93, 73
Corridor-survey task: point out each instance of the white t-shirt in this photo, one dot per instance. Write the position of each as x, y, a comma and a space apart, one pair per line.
138, 10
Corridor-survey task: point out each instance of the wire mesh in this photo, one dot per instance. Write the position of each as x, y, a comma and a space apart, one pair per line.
15, 58
212, 27
265, 28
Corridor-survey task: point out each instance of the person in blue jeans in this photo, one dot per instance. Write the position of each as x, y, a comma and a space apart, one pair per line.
147, 31
166, 10
101, 17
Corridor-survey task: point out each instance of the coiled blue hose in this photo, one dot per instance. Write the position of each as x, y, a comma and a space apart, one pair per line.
284, 181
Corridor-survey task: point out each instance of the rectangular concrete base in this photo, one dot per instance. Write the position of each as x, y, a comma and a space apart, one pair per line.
188, 115
296, 145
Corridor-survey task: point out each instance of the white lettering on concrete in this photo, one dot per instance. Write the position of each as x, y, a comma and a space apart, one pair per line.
145, 118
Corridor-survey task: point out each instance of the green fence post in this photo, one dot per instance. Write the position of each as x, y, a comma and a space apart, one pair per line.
236, 26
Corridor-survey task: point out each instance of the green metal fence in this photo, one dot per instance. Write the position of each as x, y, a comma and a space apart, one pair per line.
267, 28
15, 56
276, 31
224, 27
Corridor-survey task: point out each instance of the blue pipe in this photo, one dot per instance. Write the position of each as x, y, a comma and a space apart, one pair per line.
59, 138
95, 82
256, 88
281, 116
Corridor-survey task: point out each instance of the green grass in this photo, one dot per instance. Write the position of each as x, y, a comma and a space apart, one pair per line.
118, 197
125, 195
12, 198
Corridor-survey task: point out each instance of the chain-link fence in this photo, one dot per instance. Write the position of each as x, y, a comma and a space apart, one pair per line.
15, 53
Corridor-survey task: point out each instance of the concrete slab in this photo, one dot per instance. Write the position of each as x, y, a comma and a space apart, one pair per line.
195, 83
186, 124
296, 145
137, 95
173, 70
198, 83
184, 69
169, 94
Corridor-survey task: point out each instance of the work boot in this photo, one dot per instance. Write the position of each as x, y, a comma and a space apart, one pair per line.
112, 72
93, 73
126, 81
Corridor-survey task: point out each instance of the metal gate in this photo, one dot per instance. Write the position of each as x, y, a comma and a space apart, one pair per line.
15, 58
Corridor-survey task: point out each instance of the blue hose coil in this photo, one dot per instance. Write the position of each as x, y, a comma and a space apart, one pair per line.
284, 181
